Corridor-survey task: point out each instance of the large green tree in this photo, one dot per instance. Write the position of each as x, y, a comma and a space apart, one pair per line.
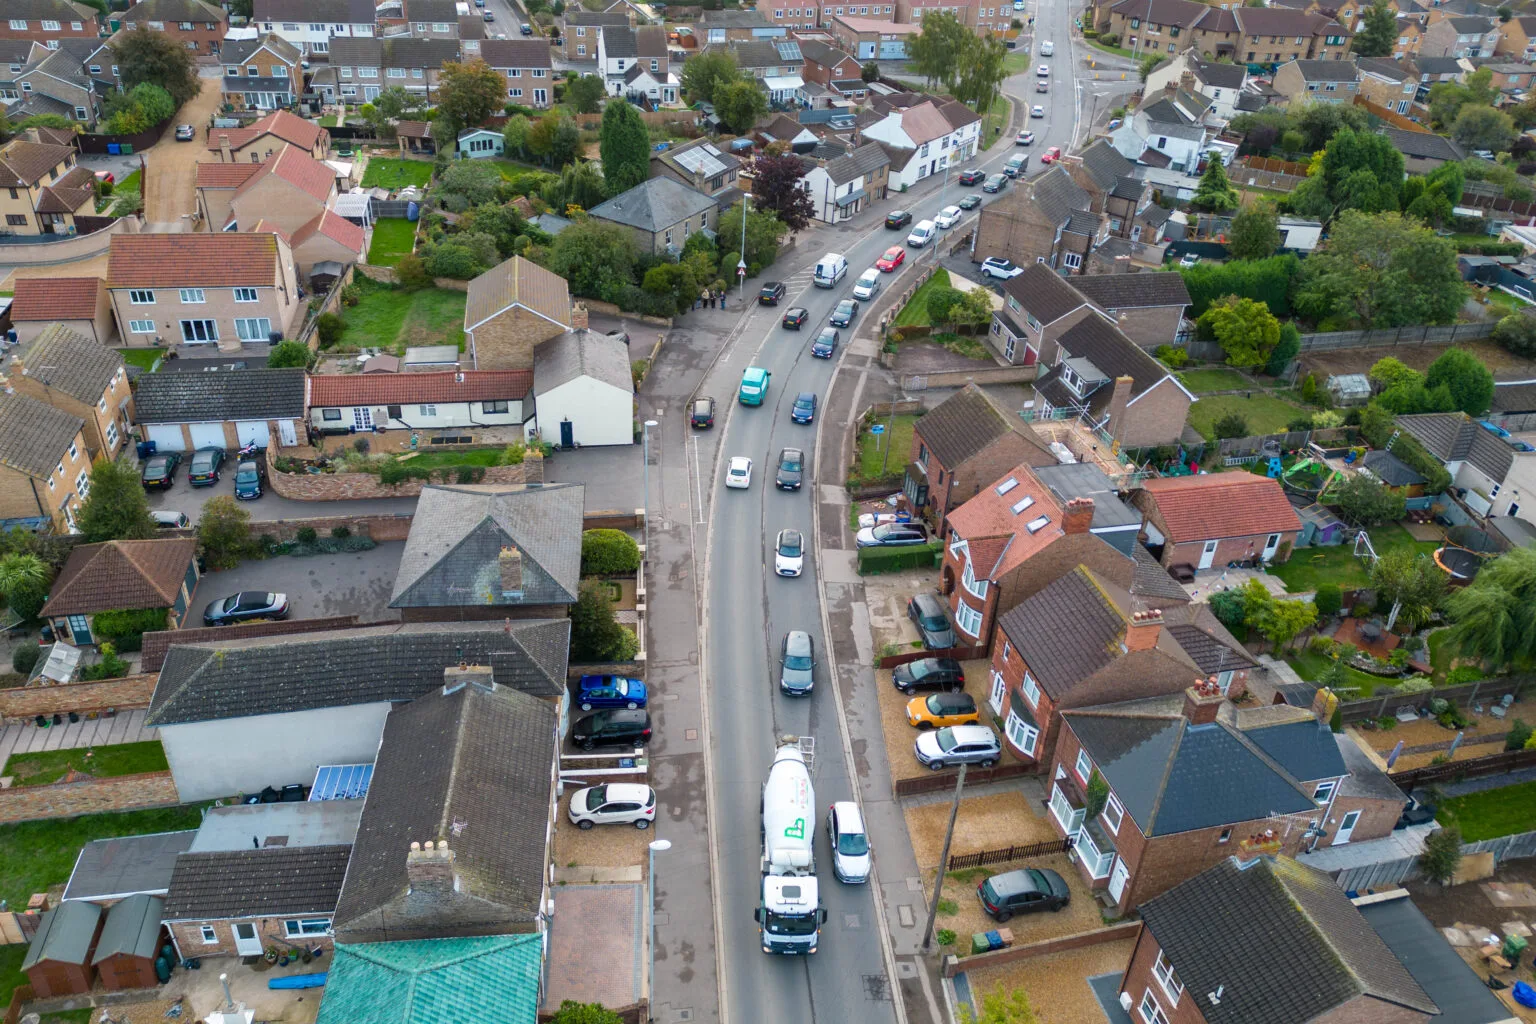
468, 92
115, 508
585, 93
1215, 191
1465, 377
626, 147
1378, 34
1446, 99
982, 73
764, 233
740, 104
1412, 584
705, 73
1246, 330
1494, 617
1366, 502
1359, 171
596, 257
1382, 270
580, 185
938, 50
1255, 232
1479, 127
158, 59
24, 582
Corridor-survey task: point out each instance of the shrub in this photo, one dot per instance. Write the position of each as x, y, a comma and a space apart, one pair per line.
596, 634
306, 535
392, 473
330, 328
1416, 684
605, 552
125, 628
1171, 356
513, 455
1329, 599
341, 532
224, 532
1464, 674
1227, 606
1453, 717
351, 295
109, 667
1109, 39
1386, 723
1519, 733
469, 474
877, 560
24, 658
1233, 424
1442, 854
946, 936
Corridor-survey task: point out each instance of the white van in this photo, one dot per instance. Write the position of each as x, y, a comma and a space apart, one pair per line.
830, 269
1047, 48
922, 234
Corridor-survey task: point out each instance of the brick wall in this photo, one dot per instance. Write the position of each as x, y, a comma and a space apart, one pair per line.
1157, 418
157, 644
88, 796
1377, 817
25, 702
379, 528
1139, 977
506, 341
344, 486
189, 935
1228, 549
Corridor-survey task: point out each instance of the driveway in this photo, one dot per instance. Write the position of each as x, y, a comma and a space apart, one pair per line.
357, 583
612, 474
183, 497
170, 170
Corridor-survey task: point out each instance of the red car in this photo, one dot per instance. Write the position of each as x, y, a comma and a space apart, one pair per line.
1051, 155
891, 260
972, 178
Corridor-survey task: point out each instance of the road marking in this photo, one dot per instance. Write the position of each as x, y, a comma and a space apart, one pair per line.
698, 482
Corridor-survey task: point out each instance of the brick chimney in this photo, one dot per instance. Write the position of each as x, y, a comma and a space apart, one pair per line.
578, 316
1142, 631
1119, 399
225, 154
1202, 701
510, 562
429, 868
1323, 704
1078, 517
1187, 81
456, 677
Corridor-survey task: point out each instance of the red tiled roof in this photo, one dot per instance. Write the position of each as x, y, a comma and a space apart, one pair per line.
263, 225
995, 534
121, 574
191, 260
286, 126
72, 191
1217, 505
333, 226
298, 168
58, 298
390, 389
225, 175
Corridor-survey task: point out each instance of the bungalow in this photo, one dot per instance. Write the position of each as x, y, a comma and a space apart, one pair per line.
122, 575
264, 139
1210, 520
404, 411
1424, 151
81, 377
1492, 472
510, 309
584, 389
182, 412
77, 303
45, 466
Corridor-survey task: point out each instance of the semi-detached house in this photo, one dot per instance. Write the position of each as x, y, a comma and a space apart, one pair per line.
45, 466
197, 25
841, 188
310, 25
41, 188
363, 68
49, 21
526, 67
265, 73
80, 376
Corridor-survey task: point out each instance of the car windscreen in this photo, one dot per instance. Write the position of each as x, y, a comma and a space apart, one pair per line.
797, 662
790, 461
947, 741
853, 844
778, 924
932, 619
596, 797
247, 476
789, 547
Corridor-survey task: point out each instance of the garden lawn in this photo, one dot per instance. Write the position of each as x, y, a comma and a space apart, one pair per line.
396, 173
144, 358
134, 182
872, 450
10, 969
448, 458
393, 238
44, 766
1214, 379
1265, 414
1310, 664
1492, 812
1308, 568
996, 120
391, 319
915, 312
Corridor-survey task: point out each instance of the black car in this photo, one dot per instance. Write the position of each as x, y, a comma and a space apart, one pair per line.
972, 177
927, 614
204, 470
703, 415
791, 469
929, 674
1022, 892
795, 317
969, 202
804, 409
843, 315
995, 183
772, 292
897, 219
246, 606
826, 343
160, 470
618, 727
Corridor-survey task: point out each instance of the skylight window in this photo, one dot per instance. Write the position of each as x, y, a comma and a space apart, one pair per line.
1006, 486
1036, 525
1022, 504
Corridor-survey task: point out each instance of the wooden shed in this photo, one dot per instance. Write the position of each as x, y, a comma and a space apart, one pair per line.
58, 963
130, 940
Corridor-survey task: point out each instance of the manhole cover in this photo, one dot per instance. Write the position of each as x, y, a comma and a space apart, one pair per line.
678, 1016
877, 987
851, 921
690, 734
906, 969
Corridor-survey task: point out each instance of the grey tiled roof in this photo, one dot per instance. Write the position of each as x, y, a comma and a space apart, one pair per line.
1306, 749
1058, 195
270, 675
1438, 65
1365, 778
1424, 145
619, 41
227, 395
474, 767
1066, 631
861, 162
733, 19
1455, 437
1128, 187
581, 353
962, 425
72, 363
1112, 352
1222, 76
269, 882
1104, 165
1134, 291
654, 205
1515, 396
34, 436
1391, 470
1043, 293
1327, 70
1082, 223
1204, 643
1229, 921
1389, 69
762, 53
237, 51
1152, 579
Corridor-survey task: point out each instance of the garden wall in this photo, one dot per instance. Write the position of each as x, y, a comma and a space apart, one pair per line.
608, 308
1389, 703
68, 248
379, 528
347, 486
27, 702
981, 375
384, 275
88, 796
953, 965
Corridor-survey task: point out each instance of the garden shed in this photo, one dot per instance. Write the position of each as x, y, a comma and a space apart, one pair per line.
58, 963
1349, 388
130, 940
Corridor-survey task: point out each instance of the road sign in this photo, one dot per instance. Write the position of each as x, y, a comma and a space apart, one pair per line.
741, 271
878, 428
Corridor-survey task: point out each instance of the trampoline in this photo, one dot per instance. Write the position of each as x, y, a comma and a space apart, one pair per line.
1461, 564
1473, 539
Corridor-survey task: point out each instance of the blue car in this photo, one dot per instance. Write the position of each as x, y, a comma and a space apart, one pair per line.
825, 343
610, 692
804, 409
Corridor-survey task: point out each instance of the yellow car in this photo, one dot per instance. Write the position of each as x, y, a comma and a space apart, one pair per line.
940, 709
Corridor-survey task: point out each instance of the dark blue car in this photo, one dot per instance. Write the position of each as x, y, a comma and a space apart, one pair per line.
804, 409
248, 480
825, 343
610, 692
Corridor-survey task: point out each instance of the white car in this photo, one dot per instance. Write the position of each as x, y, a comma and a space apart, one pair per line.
948, 217
613, 803
1043, 71
1189, 260
1047, 48
789, 553
922, 234
996, 266
867, 284
1037, 111
739, 472
850, 843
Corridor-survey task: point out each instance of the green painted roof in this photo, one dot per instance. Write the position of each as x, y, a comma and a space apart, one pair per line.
494, 979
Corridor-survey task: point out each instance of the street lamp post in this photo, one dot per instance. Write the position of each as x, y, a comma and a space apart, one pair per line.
645, 449
657, 846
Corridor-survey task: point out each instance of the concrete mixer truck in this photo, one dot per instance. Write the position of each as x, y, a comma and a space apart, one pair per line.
789, 914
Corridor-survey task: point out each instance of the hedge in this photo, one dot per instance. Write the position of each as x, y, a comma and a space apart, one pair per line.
873, 561
607, 552
125, 628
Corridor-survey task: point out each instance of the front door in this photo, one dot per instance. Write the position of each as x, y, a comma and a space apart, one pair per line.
1207, 555
1270, 544
1117, 879
1346, 827
246, 941
999, 691
362, 417
80, 627
567, 434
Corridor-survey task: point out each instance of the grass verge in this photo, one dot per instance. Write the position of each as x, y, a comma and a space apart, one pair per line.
915, 312
396, 173
42, 767
1491, 813
1265, 414
393, 237
873, 455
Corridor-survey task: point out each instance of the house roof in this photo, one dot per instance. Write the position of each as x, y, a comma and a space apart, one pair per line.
452, 554
64, 935
48, 9
1087, 480
1508, 396
56, 298
413, 129
433, 980
1280, 21
192, 260
1391, 470
1043, 293
70, 362
957, 114
1152, 580
23, 163
222, 175
1215, 73
271, 881
474, 767
76, 188
157, 643
733, 19
259, 394
1389, 69
298, 168
1470, 26
654, 205
581, 353
1183, 13
1134, 291
1327, 70
132, 928
1067, 631
34, 435
1104, 165
965, 423
279, 123
763, 53
1210, 506
215, 680
330, 224
516, 53
413, 388
124, 865
821, 53
1438, 65
1215, 927
581, 16
996, 536
619, 40
518, 282
357, 12
1205, 640
238, 51
1057, 195
701, 155
1456, 437
1463, 996
121, 574
858, 164
1424, 145
174, 10
1106, 347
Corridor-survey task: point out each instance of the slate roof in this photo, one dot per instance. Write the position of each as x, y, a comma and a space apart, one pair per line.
474, 767
1435, 66
579, 16
965, 423
581, 353
451, 556
1222, 76
1067, 631
619, 41
225, 259
1508, 396
1104, 165
215, 680
1133, 291
269, 882
433, 980
858, 164
412, 388
1327, 70
124, 865
238, 51
1223, 926
516, 53
174, 10
1043, 293
23, 163
68, 361
1057, 195
733, 19
33, 435
1152, 579
1439, 970
64, 935
762, 53
51, 9
132, 929
1104, 345
1391, 470
827, 56
121, 574
1197, 508
259, 394
1424, 145
654, 205
1456, 437
1468, 26
517, 281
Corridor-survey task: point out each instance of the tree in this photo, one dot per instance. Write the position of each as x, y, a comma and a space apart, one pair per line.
870, 72
1517, 333
764, 233
585, 93
675, 280
468, 183
1412, 584
776, 187
1148, 65
158, 59
572, 1012
982, 72
1233, 424
1447, 98
595, 256
241, 8
24, 582
1442, 854
1479, 127
1283, 621
393, 102
224, 532
940, 301
127, 201
1328, 599
1387, 373
1320, 122
580, 185
1378, 34
1382, 271
1494, 617
604, 552
288, 353
739, 104
566, 145
625, 146
1366, 502
1246, 330
596, 634
1359, 170
115, 508
1286, 349
1214, 192
999, 1007
1255, 231
468, 92
1465, 377
705, 73
938, 50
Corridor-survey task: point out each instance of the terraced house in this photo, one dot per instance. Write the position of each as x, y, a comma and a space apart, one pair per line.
69, 82
310, 25
261, 74
197, 25
49, 21
1249, 35
363, 68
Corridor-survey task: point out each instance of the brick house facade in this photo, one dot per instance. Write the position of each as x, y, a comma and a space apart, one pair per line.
239, 902
82, 378
1209, 520
198, 26
1048, 219
1263, 35
45, 466
582, 29
510, 309
49, 21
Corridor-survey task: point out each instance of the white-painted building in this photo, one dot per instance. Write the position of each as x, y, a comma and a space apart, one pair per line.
942, 135
1220, 83
840, 188
311, 24
428, 404
584, 392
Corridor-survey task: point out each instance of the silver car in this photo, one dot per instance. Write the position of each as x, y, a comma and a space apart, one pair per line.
956, 744
798, 663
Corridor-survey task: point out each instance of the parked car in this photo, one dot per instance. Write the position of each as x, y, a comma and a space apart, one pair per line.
891, 535
867, 284
826, 343
618, 727
958, 744
789, 553
795, 317
928, 674
250, 480
703, 415
948, 217
995, 183
1022, 892
843, 315
1024, 138
969, 202
897, 219
246, 606
797, 663
927, 614
185, 133
791, 469
1051, 155
739, 473
1037, 111
892, 258
1189, 260
938, 710
971, 177
849, 842
169, 519
204, 469
160, 470
610, 692
804, 409
922, 234
613, 803
997, 266
771, 293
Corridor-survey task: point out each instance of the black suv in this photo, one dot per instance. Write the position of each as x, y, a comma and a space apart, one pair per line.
929, 674
927, 614
619, 727
772, 292
791, 469
897, 219
703, 415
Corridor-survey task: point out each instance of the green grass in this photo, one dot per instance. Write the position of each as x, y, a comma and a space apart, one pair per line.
996, 120
1018, 61
144, 358
872, 454
328, 121
392, 319
915, 312
44, 766
134, 182
1310, 567
1504, 303
1265, 414
80, 1016
1118, 51
448, 458
395, 173
1491, 813
1215, 379
10, 969
1310, 664
393, 238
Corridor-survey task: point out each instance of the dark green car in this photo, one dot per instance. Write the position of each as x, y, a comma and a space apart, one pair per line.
248, 481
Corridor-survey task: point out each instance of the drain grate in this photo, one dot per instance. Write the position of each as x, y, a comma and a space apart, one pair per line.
851, 921
683, 1015
877, 987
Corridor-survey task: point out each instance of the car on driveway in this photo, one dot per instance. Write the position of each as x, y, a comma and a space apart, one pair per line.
160, 470
843, 315
948, 217
789, 553
938, 710
618, 727
185, 133
771, 293
1190, 260
891, 535
927, 614
971, 177
867, 284
613, 803
892, 258
246, 606
250, 480
849, 842
739, 473
897, 219
995, 183
791, 471
804, 409
928, 674
958, 744
1051, 155
797, 663
610, 692
997, 266
703, 415
1024, 138
969, 202
169, 519
826, 343
204, 468
1022, 892
795, 317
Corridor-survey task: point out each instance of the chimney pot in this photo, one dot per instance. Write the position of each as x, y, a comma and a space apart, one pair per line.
1078, 516
1142, 631
1202, 701
416, 846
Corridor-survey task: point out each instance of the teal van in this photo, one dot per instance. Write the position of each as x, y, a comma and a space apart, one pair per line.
754, 385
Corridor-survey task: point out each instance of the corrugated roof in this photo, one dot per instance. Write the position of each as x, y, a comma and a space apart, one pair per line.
192, 260
434, 980
1212, 506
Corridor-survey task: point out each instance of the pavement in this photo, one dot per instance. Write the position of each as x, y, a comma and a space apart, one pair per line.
26, 737
271, 506
354, 583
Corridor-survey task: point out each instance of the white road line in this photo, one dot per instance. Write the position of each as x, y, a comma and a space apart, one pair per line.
698, 484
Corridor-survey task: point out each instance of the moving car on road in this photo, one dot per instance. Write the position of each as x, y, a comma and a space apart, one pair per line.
160, 470
795, 317
825, 344
897, 219
738, 473
995, 183
610, 692
1024, 138
929, 674
892, 258
703, 415
867, 284
922, 234
1043, 71
1037, 111
1022, 892
958, 744
1047, 48
1042, 85
997, 266
797, 664
843, 315
204, 470
948, 217
969, 202
771, 293
791, 471
613, 803
849, 841
1051, 155
754, 385
971, 177
619, 727
1016, 165
789, 553
804, 409
246, 606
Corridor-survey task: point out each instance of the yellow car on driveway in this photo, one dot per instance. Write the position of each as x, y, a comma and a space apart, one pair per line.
937, 710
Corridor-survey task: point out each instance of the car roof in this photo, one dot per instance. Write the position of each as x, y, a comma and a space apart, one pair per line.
960, 699
848, 816
706, 400
972, 733
621, 715
754, 373
926, 602
787, 453
790, 534
806, 396
798, 641
738, 461
1010, 882
625, 791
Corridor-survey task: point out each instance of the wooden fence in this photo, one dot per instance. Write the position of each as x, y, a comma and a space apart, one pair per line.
1392, 117
1410, 779
958, 653
1266, 163
16, 929
1388, 873
1464, 694
1008, 853
20, 996
1391, 336
973, 777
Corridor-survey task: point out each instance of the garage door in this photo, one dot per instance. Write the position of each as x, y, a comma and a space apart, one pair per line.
253, 431
167, 437
207, 435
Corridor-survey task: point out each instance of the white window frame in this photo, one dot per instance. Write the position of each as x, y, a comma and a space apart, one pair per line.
210, 935
192, 296
1021, 734
141, 297
19, 24
427, 410
1071, 260
1030, 689
1167, 978
50, 26
1084, 765
111, 433
976, 588
141, 327
300, 927
999, 691
253, 328
83, 483
1155, 1014
1324, 791
967, 619
1112, 821
246, 295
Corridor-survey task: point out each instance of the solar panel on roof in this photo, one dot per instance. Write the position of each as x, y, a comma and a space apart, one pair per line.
711, 150
341, 782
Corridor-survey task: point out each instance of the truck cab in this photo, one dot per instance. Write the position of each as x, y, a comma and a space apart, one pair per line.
790, 916
789, 913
